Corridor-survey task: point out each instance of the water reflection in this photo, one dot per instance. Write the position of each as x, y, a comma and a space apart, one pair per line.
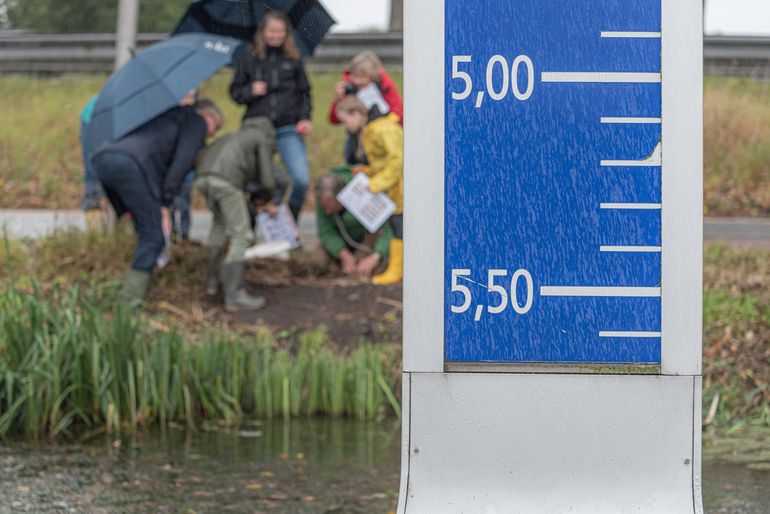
310, 466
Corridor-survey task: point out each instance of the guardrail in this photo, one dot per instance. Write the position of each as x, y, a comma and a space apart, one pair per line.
90, 53
738, 56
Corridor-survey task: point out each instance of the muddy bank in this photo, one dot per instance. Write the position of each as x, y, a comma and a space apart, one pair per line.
300, 297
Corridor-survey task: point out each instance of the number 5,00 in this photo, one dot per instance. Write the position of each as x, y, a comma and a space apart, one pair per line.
493, 287
510, 79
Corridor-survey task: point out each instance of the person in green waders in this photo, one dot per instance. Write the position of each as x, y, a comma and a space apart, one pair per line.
224, 171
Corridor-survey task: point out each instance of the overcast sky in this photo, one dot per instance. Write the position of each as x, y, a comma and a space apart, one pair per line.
722, 16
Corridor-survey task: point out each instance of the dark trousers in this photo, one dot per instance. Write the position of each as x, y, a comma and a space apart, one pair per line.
397, 224
127, 191
181, 206
92, 188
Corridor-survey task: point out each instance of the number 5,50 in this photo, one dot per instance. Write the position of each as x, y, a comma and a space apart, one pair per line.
520, 306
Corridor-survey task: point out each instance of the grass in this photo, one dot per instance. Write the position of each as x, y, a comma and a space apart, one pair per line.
737, 153
68, 364
51, 333
40, 156
41, 163
736, 312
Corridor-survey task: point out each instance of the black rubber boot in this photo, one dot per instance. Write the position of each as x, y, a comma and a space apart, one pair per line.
236, 297
295, 212
136, 283
214, 269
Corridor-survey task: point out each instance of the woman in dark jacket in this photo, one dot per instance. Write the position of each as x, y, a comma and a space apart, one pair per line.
271, 81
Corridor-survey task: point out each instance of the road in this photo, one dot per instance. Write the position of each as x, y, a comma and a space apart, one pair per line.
30, 223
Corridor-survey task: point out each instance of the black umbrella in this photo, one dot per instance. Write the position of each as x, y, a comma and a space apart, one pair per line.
240, 19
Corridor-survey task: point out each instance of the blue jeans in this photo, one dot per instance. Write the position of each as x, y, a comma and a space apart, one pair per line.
127, 190
181, 205
291, 146
92, 188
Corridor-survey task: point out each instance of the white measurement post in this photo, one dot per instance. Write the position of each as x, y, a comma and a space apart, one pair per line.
553, 258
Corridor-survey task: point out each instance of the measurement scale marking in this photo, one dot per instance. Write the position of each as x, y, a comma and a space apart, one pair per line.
654, 159
599, 77
631, 249
629, 120
630, 35
631, 206
604, 292
635, 335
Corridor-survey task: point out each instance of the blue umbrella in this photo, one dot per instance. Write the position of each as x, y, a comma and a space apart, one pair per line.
240, 18
154, 81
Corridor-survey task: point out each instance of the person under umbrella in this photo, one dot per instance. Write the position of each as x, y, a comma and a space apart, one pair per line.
143, 171
270, 80
157, 79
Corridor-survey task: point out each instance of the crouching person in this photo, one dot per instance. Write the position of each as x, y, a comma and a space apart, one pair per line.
225, 169
143, 172
343, 238
383, 141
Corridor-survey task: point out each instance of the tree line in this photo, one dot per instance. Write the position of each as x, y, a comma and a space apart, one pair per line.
86, 16
98, 16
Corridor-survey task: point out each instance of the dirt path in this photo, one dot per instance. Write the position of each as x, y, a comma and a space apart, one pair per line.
300, 297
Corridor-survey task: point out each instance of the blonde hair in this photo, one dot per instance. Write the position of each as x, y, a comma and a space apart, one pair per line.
351, 104
366, 64
290, 48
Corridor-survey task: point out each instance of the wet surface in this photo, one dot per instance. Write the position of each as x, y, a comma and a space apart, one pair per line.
736, 473
316, 466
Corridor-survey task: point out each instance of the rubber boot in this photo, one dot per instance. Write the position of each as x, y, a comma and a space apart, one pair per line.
296, 210
236, 297
395, 270
215, 267
136, 283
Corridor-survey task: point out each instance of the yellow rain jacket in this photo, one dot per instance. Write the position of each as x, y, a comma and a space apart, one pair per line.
383, 140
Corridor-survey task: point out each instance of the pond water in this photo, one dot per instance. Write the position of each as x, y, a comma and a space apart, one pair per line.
310, 466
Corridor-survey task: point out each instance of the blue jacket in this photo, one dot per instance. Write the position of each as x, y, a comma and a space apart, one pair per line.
165, 149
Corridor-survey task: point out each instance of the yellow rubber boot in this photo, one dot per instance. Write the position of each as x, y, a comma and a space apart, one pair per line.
395, 271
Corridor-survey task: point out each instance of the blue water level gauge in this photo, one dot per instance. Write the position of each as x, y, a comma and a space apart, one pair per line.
553, 181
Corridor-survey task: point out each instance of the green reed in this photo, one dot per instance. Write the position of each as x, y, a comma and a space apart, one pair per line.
69, 364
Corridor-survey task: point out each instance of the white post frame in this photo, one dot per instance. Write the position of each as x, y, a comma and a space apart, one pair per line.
516, 442
682, 215
682, 190
424, 186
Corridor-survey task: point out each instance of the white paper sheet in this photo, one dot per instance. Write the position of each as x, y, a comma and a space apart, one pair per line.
371, 209
280, 228
371, 96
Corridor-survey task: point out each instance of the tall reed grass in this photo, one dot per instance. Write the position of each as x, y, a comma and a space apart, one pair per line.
67, 364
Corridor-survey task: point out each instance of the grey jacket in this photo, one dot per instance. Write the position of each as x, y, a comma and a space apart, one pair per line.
243, 156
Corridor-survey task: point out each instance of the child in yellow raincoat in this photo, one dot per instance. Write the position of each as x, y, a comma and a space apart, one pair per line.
383, 142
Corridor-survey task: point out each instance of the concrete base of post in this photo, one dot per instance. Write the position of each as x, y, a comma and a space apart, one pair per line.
520, 443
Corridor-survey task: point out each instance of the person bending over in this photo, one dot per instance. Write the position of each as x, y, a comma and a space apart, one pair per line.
224, 171
143, 172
